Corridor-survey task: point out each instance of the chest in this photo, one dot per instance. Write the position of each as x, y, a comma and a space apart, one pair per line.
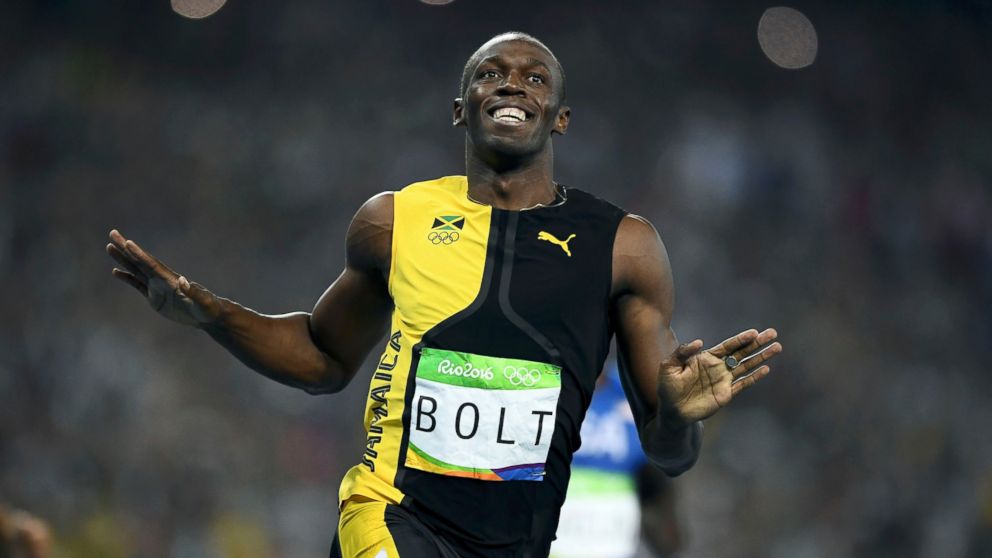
555, 272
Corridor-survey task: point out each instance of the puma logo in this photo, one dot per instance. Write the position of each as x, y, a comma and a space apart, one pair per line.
543, 235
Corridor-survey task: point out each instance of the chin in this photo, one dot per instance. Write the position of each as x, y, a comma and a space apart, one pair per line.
512, 148
504, 146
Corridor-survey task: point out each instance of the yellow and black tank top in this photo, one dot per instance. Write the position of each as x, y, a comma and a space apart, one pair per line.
499, 331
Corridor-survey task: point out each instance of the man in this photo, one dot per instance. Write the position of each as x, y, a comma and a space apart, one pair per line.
500, 290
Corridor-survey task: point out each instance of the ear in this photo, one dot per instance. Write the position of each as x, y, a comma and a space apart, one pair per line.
561, 120
458, 113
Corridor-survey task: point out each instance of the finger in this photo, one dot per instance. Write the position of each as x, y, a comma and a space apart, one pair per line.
753, 361
148, 263
762, 339
125, 261
742, 384
732, 344
194, 291
685, 351
132, 280
205, 300
117, 238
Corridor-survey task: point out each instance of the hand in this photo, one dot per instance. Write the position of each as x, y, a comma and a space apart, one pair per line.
693, 385
24, 536
169, 293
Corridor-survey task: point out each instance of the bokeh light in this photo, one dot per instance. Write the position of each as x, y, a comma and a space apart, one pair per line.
197, 9
437, 2
787, 38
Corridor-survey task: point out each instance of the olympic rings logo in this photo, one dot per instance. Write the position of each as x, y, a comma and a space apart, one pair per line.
443, 237
522, 375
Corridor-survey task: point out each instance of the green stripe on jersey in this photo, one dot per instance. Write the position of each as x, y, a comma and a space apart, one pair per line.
486, 372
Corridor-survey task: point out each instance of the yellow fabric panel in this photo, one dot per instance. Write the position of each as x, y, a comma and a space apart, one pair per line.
429, 282
373, 478
362, 531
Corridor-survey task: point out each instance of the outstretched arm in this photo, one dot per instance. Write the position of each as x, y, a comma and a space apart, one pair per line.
318, 352
671, 387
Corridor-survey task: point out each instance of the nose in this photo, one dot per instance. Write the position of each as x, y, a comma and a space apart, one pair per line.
510, 85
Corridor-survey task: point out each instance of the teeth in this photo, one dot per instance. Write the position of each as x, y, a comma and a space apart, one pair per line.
510, 113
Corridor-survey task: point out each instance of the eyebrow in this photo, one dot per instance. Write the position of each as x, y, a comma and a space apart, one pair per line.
530, 61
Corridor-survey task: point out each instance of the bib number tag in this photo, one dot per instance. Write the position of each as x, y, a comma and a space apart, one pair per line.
482, 417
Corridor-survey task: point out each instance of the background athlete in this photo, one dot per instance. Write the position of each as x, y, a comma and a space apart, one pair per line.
618, 505
512, 102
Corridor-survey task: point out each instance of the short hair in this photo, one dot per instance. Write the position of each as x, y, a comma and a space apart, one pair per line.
473, 60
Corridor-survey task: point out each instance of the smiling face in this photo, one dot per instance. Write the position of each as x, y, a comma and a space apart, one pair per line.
512, 99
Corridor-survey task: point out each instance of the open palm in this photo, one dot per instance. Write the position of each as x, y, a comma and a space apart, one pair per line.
695, 384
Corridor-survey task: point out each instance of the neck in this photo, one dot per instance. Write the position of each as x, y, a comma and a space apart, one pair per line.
511, 185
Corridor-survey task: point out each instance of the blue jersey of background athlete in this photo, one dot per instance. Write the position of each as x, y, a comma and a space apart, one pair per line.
601, 516
609, 435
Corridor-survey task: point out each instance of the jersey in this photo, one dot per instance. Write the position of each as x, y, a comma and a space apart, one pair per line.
601, 515
499, 330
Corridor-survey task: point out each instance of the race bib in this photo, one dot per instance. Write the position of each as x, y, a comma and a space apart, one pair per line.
482, 417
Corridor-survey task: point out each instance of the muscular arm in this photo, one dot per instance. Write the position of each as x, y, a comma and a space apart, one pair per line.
318, 352
672, 387
643, 300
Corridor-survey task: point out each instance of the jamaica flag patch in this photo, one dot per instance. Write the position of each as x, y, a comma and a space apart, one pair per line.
448, 223
445, 230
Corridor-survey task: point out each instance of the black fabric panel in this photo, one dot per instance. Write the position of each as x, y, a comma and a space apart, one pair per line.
412, 538
552, 353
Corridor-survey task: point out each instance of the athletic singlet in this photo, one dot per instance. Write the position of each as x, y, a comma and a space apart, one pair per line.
499, 329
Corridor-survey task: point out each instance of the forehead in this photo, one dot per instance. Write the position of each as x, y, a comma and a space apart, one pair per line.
513, 50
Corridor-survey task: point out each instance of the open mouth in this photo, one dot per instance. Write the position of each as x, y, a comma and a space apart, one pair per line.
509, 115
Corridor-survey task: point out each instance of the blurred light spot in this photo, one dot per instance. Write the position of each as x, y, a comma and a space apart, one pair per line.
437, 2
197, 9
787, 38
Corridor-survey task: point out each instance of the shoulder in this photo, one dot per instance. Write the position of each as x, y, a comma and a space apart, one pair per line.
637, 237
594, 203
377, 209
639, 256
443, 185
369, 240
381, 205
370, 235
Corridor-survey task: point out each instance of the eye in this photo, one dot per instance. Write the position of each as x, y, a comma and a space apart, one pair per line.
487, 74
536, 78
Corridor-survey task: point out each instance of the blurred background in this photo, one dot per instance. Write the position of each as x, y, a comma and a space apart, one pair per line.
847, 203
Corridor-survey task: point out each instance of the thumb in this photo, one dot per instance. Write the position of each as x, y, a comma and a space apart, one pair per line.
184, 286
684, 351
204, 302
194, 291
